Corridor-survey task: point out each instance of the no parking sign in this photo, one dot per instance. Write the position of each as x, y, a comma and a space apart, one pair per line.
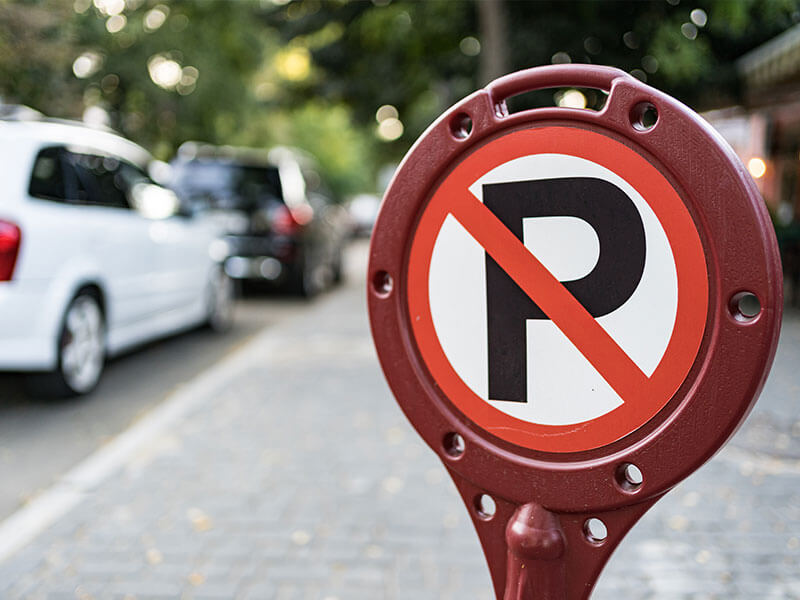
558, 299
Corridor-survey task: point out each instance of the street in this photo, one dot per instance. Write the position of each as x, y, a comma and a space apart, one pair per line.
40, 438
276, 464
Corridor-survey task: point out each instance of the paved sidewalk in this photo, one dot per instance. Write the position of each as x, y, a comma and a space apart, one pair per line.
290, 473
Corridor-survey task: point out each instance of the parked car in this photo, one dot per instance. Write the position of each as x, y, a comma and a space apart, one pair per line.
283, 223
94, 258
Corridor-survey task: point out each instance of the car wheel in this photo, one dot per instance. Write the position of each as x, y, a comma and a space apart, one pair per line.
81, 351
219, 302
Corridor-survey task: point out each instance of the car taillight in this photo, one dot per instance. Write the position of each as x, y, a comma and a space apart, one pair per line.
286, 221
10, 237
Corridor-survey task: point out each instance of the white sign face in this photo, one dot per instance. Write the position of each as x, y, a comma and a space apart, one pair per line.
559, 385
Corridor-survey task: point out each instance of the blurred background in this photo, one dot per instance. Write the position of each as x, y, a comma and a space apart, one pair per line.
314, 73
271, 461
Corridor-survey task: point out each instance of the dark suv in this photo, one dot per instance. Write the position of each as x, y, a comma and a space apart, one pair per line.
283, 225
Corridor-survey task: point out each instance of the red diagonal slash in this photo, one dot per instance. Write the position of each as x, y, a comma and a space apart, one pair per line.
569, 315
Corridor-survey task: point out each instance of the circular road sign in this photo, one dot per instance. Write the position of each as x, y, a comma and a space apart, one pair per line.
564, 291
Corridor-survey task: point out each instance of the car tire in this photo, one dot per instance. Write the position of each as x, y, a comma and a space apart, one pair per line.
219, 301
81, 351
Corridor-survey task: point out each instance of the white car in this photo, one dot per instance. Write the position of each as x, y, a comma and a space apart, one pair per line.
94, 256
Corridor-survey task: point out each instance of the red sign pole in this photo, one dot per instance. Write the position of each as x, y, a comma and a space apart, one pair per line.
565, 396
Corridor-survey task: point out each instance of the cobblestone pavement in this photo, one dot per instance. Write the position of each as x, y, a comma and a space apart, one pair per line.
296, 476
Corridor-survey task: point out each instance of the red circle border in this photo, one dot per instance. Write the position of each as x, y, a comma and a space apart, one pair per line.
690, 265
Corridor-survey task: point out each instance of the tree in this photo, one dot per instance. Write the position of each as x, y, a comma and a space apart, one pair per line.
353, 81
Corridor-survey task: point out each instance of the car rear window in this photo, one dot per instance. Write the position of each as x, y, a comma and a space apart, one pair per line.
213, 184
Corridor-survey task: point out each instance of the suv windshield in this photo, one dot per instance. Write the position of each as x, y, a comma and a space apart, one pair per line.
226, 185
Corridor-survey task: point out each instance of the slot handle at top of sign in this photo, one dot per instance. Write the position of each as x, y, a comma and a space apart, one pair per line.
552, 76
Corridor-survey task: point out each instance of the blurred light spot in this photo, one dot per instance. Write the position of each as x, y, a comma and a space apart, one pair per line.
689, 31
699, 17
110, 7
757, 167
470, 46
164, 72
387, 111
678, 523
395, 435
96, 116
200, 521
280, 2
185, 90
560, 58
691, 499
82, 594
703, 557
109, 83
631, 40
390, 129
155, 17
197, 579
189, 75
572, 99
294, 63
188, 81
674, 2
403, 20
116, 23
87, 64
179, 23
650, 63
125, 39
81, 6
639, 74
374, 551
300, 537
266, 90
793, 543
295, 10
393, 484
154, 556
592, 45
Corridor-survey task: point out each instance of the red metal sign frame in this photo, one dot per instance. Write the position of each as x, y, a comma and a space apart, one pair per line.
538, 532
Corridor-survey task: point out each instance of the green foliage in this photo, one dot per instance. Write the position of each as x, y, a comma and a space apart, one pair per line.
312, 73
324, 130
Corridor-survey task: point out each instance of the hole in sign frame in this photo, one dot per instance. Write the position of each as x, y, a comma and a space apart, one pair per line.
485, 506
595, 531
744, 306
461, 126
454, 445
382, 284
629, 477
644, 116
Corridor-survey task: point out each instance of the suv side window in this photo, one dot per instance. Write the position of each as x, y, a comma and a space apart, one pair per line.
77, 178
47, 176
